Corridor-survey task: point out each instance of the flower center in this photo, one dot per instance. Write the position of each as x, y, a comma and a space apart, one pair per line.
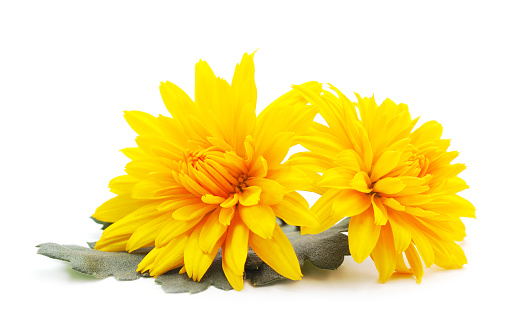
212, 171
241, 183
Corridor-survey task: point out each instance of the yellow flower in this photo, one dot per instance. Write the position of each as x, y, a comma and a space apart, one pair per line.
211, 178
396, 183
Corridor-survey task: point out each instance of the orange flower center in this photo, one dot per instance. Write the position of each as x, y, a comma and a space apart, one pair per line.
212, 171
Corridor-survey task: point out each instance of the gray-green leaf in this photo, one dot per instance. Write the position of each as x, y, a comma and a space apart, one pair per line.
325, 250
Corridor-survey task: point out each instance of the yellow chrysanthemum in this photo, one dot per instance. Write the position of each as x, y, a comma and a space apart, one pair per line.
396, 183
211, 178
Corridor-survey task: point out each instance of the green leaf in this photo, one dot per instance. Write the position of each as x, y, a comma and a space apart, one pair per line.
120, 265
325, 250
103, 223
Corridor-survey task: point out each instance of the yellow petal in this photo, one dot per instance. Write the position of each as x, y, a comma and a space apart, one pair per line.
192, 212
401, 235
236, 281
113, 243
393, 203
384, 254
423, 245
291, 178
381, 214
259, 168
243, 82
401, 265
363, 234
172, 205
350, 160
205, 84
294, 210
122, 185
231, 201
337, 177
143, 167
427, 132
330, 111
176, 100
325, 144
420, 212
196, 261
389, 186
211, 231
236, 246
272, 191
277, 252
144, 236
173, 229
250, 196
118, 207
415, 262
413, 200
349, 203
142, 123
210, 199
309, 160
148, 260
259, 218
276, 149
193, 186
170, 257
385, 163
323, 210
129, 223
226, 215
449, 255
361, 182
134, 153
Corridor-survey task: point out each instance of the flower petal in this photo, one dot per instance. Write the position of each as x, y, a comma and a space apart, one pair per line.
259, 218
337, 177
226, 214
278, 253
231, 201
170, 256
389, 186
381, 213
211, 232
173, 229
192, 212
310, 161
144, 236
323, 210
401, 235
235, 248
361, 182
291, 178
363, 235
384, 254
272, 191
385, 163
236, 281
250, 196
415, 262
350, 160
118, 207
294, 210
210, 199
349, 203
197, 262
258, 168
427, 132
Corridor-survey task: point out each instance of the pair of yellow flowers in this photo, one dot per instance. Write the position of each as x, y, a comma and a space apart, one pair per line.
211, 177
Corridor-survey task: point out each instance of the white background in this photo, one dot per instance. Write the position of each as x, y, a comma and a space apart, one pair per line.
68, 70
